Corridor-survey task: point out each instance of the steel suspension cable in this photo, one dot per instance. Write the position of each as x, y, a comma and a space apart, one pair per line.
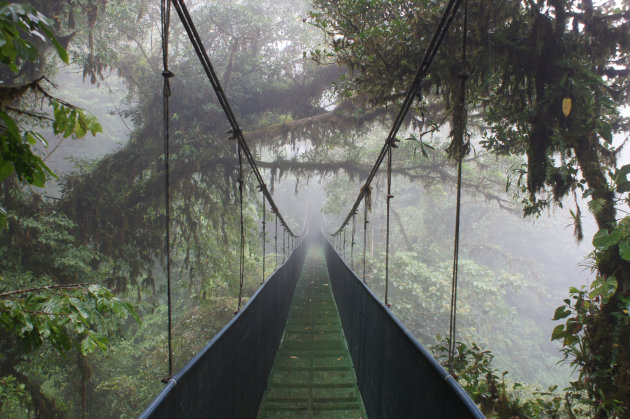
444, 25
389, 197
459, 150
165, 13
236, 132
275, 237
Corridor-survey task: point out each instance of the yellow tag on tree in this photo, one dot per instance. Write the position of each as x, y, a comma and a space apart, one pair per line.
566, 106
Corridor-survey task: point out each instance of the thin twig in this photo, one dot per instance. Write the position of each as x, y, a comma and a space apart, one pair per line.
29, 113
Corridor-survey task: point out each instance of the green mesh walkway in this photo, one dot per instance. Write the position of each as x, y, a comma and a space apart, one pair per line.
312, 375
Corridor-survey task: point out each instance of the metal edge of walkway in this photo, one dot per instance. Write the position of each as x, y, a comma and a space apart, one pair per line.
381, 405
169, 402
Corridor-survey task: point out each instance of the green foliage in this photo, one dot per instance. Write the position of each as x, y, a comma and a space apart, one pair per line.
528, 61
617, 239
73, 121
16, 154
62, 314
11, 389
493, 393
580, 314
59, 314
18, 20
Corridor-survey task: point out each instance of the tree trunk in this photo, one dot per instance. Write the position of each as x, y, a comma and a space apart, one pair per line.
86, 374
45, 407
606, 334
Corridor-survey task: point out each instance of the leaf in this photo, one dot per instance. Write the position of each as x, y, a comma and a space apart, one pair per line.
6, 168
561, 313
623, 187
603, 239
29, 138
11, 127
621, 179
38, 179
624, 170
39, 137
63, 54
88, 345
606, 134
596, 205
566, 106
558, 332
624, 249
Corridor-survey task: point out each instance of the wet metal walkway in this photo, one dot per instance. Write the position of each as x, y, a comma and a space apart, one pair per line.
312, 375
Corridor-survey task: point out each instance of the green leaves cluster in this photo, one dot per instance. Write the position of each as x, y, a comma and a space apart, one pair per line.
16, 154
73, 121
41, 250
492, 392
17, 22
619, 235
62, 315
582, 314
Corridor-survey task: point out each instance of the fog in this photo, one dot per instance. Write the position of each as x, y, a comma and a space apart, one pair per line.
314, 149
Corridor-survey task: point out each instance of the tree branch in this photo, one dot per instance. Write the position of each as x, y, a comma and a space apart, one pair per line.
46, 288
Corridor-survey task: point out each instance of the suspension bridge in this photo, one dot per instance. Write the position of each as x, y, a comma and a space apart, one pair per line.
314, 340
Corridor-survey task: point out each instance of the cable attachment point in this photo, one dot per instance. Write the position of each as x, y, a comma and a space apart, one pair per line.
234, 133
464, 74
167, 74
261, 187
393, 142
390, 196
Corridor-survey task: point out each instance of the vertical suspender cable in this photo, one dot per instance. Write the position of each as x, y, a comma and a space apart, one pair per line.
167, 74
459, 150
284, 244
344, 244
275, 238
389, 197
264, 237
453, 317
365, 224
242, 223
352, 242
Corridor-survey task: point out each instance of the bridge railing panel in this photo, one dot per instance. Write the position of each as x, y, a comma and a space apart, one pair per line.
228, 377
397, 376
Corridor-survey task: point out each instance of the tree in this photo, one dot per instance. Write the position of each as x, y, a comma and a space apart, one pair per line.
39, 302
19, 24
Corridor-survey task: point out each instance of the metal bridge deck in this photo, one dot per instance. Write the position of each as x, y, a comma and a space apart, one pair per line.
312, 375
